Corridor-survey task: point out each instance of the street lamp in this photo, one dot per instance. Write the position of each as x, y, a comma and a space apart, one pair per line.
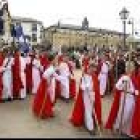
131, 22
124, 13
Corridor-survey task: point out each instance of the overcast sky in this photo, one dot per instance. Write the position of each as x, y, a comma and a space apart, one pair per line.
100, 13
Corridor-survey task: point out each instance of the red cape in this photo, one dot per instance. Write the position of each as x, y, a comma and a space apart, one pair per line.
42, 101
77, 118
17, 83
1, 81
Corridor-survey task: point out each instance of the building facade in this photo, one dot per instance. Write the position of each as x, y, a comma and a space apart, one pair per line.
60, 35
32, 29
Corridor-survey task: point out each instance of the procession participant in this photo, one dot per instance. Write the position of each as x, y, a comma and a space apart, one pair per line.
72, 85
29, 81
64, 79
136, 116
36, 73
103, 75
121, 115
85, 61
19, 76
6, 69
17, 83
87, 107
44, 60
44, 99
119, 66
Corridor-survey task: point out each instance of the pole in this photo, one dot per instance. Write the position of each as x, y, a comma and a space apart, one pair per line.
52, 38
124, 45
133, 33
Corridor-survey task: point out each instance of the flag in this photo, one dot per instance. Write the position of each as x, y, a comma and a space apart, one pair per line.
22, 40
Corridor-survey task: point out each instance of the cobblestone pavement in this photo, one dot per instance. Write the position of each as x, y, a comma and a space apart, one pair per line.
17, 120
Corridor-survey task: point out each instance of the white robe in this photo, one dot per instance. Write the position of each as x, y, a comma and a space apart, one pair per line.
23, 62
64, 79
89, 99
7, 78
36, 75
128, 107
103, 77
49, 75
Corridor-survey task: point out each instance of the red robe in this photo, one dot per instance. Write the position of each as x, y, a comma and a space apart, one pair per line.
136, 116
1, 81
77, 118
42, 106
72, 83
115, 108
29, 75
17, 83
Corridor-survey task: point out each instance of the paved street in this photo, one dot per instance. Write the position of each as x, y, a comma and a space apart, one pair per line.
16, 120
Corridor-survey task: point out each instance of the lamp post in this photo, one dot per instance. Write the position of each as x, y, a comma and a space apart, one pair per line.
131, 22
124, 13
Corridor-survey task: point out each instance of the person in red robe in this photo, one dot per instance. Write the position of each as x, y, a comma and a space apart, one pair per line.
17, 82
72, 79
121, 115
136, 116
87, 107
85, 61
44, 61
43, 105
29, 83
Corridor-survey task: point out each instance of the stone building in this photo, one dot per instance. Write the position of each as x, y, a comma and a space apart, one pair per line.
60, 35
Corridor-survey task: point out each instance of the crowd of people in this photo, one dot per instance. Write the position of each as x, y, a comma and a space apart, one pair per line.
50, 75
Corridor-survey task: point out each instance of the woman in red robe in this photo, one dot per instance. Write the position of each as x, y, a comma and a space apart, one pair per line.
17, 83
42, 104
78, 113
29, 74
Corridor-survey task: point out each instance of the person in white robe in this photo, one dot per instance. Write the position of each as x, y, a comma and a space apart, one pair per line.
88, 98
23, 61
7, 77
103, 76
128, 107
36, 73
64, 78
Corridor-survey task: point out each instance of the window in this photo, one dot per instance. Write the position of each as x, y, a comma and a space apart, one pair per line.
34, 37
34, 27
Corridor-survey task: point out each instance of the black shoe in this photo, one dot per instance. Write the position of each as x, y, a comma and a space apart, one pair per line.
9, 99
21, 99
92, 132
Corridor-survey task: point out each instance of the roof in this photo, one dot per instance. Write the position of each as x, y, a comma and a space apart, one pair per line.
91, 29
24, 19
